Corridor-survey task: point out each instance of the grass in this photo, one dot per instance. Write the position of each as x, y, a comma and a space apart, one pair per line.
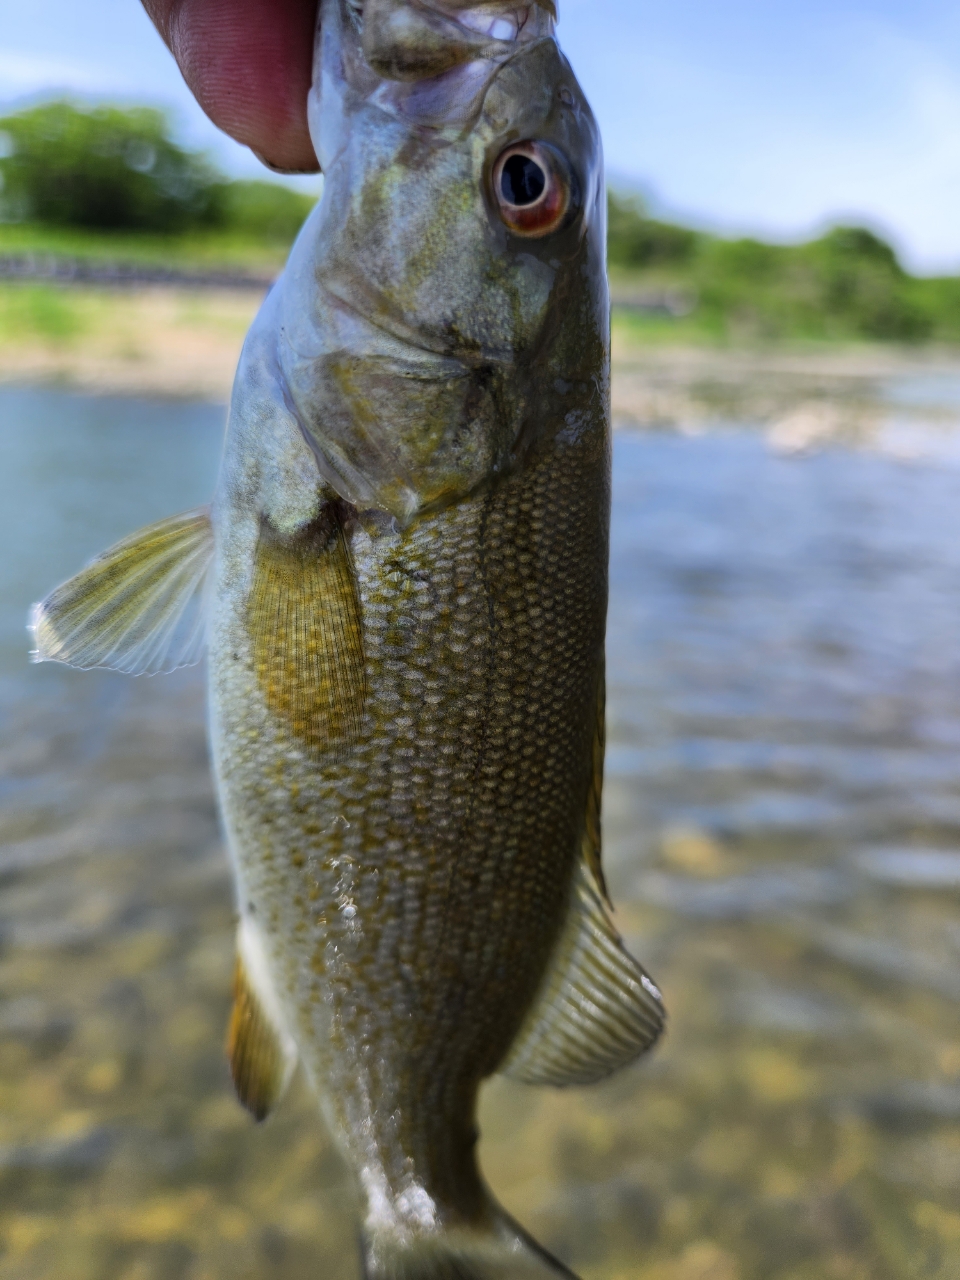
639, 328
166, 341
846, 286
45, 313
845, 289
197, 250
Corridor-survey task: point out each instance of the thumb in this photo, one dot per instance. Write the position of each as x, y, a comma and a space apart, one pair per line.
249, 64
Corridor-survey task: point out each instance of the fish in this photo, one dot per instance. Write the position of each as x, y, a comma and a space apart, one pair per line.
401, 588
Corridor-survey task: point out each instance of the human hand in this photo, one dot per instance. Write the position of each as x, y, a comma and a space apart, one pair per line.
248, 63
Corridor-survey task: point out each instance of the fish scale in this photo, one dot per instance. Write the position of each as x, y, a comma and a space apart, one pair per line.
503, 684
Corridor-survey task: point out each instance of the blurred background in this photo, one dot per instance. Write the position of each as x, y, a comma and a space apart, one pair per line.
782, 811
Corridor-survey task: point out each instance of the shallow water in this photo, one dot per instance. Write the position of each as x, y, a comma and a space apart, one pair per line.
783, 841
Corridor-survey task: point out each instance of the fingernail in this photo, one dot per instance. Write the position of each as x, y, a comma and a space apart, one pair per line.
276, 168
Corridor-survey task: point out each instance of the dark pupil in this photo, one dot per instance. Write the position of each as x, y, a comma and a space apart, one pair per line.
522, 181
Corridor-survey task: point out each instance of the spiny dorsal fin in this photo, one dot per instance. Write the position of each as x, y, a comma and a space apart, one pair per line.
261, 1056
136, 608
597, 1010
305, 626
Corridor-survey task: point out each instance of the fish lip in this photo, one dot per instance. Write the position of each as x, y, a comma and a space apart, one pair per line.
471, 359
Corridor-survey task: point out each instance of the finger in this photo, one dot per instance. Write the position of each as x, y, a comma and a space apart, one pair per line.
248, 63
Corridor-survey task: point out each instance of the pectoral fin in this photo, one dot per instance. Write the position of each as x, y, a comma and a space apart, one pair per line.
261, 1054
305, 626
597, 1010
136, 608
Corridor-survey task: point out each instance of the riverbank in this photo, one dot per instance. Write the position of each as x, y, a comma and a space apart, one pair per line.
184, 342
154, 341
897, 400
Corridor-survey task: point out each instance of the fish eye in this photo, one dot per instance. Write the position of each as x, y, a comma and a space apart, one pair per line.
531, 188
522, 181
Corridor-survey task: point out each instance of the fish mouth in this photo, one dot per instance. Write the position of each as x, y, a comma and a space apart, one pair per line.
451, 96
416, 46
497, 20
507, 21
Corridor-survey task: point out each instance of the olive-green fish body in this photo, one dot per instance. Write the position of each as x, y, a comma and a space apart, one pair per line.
406, 831
404, 581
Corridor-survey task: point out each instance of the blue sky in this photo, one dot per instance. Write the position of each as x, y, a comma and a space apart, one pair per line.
751, 116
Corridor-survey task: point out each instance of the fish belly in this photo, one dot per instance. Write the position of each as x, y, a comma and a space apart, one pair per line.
405, 832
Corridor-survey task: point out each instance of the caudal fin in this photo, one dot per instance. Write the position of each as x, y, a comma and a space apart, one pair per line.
504, 1253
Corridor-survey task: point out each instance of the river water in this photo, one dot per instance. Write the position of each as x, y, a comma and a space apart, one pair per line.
782, 822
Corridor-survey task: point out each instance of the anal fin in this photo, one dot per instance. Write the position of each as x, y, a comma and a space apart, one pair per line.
262, 1055
597, 1009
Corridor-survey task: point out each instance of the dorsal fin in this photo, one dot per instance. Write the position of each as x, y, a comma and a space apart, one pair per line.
136, 608
261, 1055
597, 1009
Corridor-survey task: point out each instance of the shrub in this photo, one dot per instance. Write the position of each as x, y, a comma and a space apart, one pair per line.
263, 209
634, 240
103, 168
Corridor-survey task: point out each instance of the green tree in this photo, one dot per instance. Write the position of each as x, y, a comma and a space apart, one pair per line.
264, 210
862, 282
104, 168
634, 240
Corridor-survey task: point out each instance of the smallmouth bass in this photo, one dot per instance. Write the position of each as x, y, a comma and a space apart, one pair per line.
401, 585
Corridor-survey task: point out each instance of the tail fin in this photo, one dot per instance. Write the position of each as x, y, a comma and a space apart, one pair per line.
504, 1253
